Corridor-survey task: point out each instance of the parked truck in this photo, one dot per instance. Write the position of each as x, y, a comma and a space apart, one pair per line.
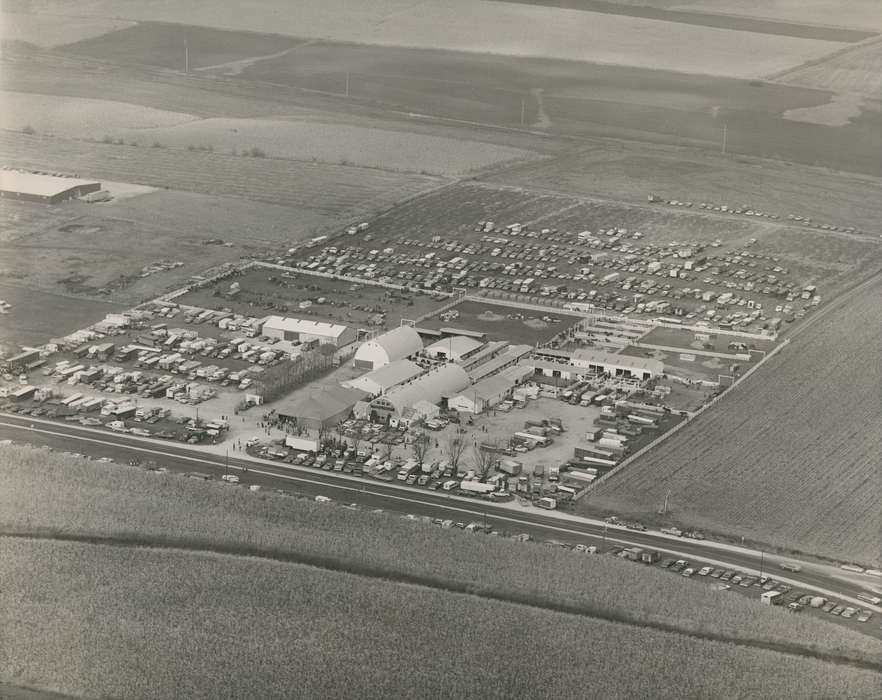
546, 503
476, 487
510, 466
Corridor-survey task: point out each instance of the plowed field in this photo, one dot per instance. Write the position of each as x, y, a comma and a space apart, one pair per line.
792, 456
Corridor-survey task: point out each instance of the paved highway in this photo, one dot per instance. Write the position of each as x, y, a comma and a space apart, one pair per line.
370, 493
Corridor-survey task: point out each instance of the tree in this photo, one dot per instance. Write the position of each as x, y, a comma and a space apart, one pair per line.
420, 447
456, 447
484, 459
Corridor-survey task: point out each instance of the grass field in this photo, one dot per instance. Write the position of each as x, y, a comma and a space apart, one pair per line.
59, 493
76, 248
334, 143
332, 190
500, 28
630, 173
83, 118
791, 457
206, 626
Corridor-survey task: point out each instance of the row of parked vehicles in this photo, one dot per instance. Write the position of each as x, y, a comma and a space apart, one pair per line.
774, 592
433, 474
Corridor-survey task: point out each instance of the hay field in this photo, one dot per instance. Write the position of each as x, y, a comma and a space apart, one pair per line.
48, 30
336, 143
492, 27
790, 457
103, 621
82, 118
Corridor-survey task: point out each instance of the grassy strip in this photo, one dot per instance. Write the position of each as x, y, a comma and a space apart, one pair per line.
58, 493
137, 623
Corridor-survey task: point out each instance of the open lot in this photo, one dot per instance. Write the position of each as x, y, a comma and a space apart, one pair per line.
36, 316
266, 290
489, 28
103, 249
800, 437
518, 326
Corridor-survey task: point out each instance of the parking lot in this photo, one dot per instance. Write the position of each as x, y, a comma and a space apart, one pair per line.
560, 251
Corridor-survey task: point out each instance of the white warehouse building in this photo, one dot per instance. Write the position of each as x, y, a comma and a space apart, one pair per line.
291, 329
397, 344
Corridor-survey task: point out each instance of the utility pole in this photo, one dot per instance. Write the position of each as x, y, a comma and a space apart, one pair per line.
523, 109
347, 83
725, 130
226, 461
762, 562
186, 56
604, 534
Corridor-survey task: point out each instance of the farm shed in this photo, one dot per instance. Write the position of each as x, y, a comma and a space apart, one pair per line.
322, 409
285, 328
455, 348
433, 386
380, 380
49, 189
397, 344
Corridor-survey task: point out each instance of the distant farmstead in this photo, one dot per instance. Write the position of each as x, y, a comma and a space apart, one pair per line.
49, 189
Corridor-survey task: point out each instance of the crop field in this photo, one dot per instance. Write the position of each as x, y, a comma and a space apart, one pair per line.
47, 30
101, 249
165, 46
89, 497
331, 190
800, 436
265, 628
83, 118
505, 322
489, 28
861, 14
857, 70
267, 290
